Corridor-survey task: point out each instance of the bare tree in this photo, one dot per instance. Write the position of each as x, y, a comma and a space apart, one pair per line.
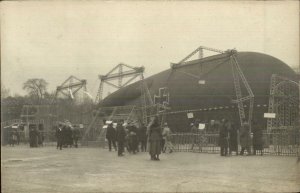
5, 92
36, 89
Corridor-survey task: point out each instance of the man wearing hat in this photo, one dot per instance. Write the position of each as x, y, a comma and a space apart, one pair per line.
111, 135
120, 138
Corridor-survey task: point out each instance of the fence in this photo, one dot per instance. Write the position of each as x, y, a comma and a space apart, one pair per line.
280, 142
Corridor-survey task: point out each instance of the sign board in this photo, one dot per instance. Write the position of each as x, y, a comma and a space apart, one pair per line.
81, 126
201, 82
190, 115
15, 127
270, 115
201, 126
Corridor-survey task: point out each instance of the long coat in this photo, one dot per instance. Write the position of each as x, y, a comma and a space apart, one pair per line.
120, 134
257, 138
155, 138
111, 133
233, 135
245, 137
142, 136
223, 136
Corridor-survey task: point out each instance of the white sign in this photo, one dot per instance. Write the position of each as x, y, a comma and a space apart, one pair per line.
81, 126
201, 82
104, 127
270, 115
201, 126
190, 115
15, 127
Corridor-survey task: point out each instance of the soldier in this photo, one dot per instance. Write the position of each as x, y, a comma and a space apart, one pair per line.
245, 138
120, 138
111, 136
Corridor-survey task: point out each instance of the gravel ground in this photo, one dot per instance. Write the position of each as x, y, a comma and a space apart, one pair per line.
46, 169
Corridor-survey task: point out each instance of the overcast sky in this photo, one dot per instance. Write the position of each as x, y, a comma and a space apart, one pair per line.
56, 39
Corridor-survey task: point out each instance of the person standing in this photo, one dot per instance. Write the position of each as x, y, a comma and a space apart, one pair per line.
120, 136
194, 135
233, 139
142, 137
245, 138
76, 135
111, 136
59, 136
154, 139
18, 136
257, 139
133, 140
223, 138
166, 134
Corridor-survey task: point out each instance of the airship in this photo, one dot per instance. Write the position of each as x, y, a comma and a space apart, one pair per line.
204, 89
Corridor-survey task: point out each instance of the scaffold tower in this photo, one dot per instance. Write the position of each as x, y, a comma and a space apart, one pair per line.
284, 102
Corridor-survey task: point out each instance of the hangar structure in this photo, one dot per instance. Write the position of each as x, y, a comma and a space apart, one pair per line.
232, 85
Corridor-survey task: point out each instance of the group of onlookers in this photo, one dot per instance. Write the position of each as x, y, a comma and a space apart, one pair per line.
36, 137
14, 137
128, 136
134, 138
229, 135
67, 136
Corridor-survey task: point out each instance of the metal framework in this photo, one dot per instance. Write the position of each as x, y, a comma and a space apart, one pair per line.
70, 87
284, 102
200, 50
119, 72
240, 100
126, 113
239, 80
146, 100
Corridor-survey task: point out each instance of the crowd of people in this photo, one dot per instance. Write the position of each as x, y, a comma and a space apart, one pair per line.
229, 135
134, 138
14, 137
67, 136
36, 137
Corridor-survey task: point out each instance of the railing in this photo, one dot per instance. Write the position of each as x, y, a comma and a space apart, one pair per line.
284, 143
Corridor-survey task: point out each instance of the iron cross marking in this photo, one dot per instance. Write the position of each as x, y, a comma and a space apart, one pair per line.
163, 97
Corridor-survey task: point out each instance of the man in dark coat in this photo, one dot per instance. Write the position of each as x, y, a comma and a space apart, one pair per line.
245, 138
223, 137
111, 136
155, 137
59, 136
69, 136
33, 137
233, 139
257, 139
142, 137
133, 139
120, 138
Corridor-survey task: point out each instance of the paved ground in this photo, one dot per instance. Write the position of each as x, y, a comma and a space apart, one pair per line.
96, 170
